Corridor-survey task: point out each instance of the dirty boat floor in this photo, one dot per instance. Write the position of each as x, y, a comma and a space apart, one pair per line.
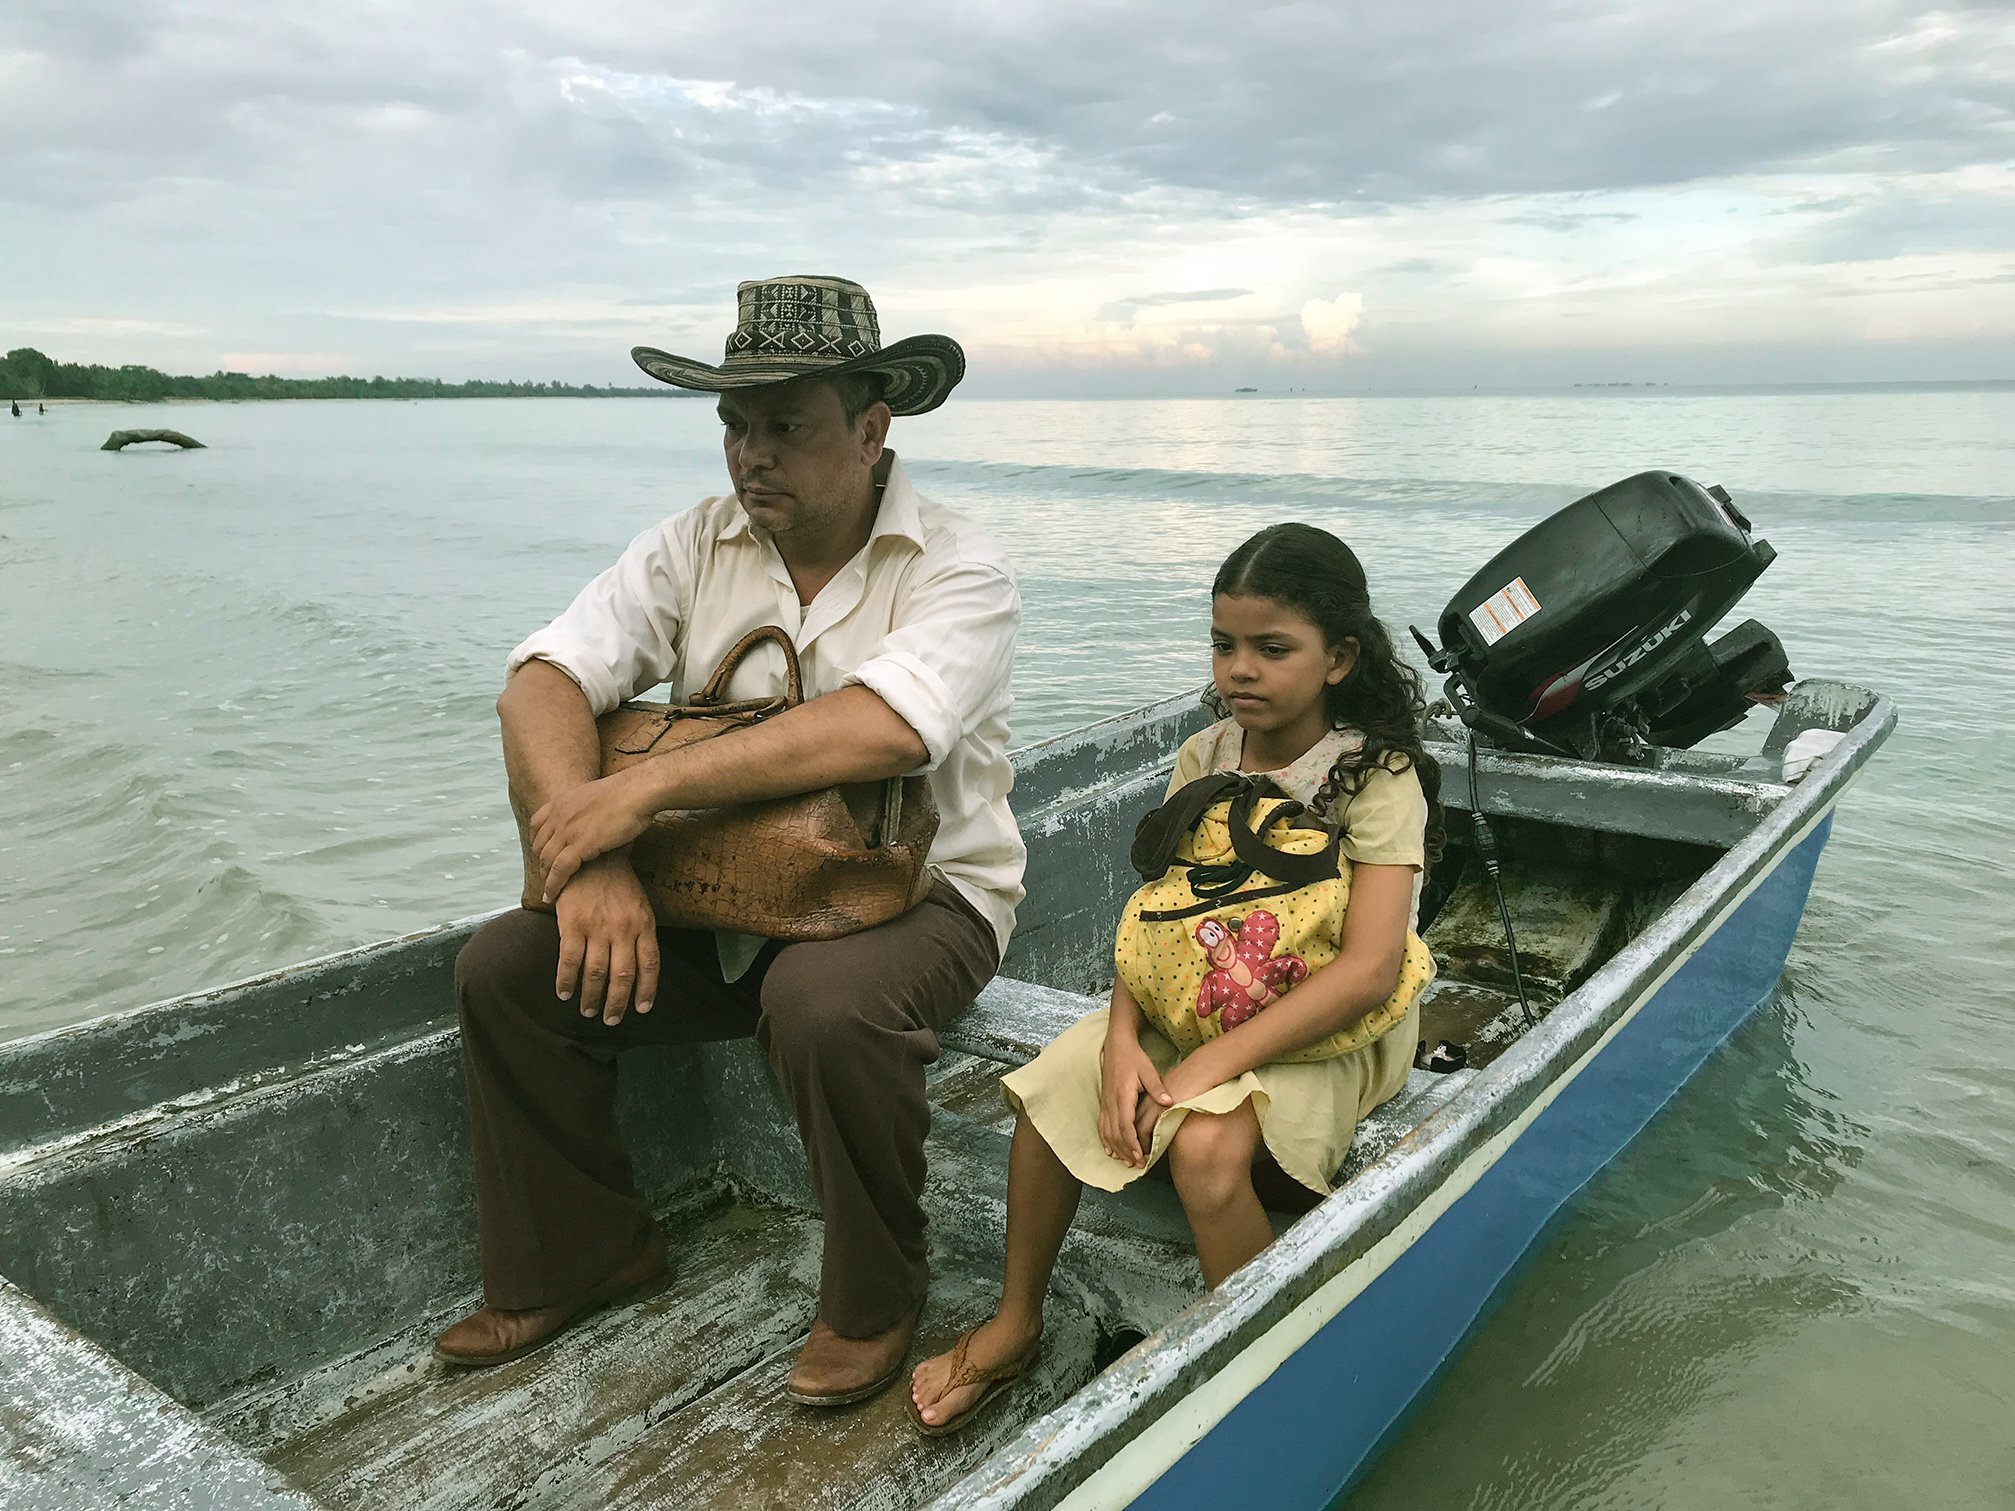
676, 1401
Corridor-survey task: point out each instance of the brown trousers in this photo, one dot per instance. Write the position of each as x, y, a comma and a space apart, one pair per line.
848, 1025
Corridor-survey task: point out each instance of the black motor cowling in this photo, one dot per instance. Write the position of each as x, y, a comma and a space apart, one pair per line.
1587, 634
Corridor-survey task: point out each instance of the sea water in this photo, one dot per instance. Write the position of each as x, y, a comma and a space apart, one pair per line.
246, 718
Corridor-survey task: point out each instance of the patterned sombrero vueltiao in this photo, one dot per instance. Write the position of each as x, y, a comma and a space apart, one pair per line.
813, 326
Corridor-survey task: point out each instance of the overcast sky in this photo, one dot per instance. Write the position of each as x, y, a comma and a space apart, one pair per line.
1092, 197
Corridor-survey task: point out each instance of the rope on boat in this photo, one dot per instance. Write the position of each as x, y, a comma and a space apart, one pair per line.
1486, 849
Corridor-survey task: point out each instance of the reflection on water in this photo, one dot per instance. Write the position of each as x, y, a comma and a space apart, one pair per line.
1677, 1267
1761, 1276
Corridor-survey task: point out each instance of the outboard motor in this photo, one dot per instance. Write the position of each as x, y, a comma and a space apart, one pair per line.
1587, 634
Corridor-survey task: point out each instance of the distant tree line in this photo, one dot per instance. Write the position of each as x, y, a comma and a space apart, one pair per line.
26, 374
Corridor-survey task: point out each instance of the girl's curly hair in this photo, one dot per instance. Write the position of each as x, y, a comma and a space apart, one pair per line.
1319, 577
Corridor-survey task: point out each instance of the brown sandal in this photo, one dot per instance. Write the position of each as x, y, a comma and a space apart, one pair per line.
964, 1374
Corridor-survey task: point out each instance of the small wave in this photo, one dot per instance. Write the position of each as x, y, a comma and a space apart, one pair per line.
1469, 495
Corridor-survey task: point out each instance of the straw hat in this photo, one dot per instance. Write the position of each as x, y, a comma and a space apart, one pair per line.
806, 327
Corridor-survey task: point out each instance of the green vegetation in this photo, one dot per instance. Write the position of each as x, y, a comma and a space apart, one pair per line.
26, 374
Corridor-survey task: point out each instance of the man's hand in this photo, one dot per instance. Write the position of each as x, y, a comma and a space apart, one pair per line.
608, 941
1127, 1080
587, 821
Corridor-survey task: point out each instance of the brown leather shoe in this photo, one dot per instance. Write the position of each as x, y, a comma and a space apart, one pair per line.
834, 1371
493, 1335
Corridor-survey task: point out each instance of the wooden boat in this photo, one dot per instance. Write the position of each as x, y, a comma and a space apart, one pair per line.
231, 1222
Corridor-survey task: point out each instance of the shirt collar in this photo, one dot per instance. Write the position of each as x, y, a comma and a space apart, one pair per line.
899, 514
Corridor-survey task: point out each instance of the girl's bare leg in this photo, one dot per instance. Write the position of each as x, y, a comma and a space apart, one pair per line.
1042, 1200
1211, 1159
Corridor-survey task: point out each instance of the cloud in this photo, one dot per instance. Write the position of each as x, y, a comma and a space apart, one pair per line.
569, 311
113, 326
1194, 296
309, 364
1327, 324
1128, 310
474, 186
1569, 220
1301, 103
1965, 212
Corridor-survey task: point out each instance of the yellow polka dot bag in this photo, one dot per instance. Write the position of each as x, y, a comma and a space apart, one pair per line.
1245, 900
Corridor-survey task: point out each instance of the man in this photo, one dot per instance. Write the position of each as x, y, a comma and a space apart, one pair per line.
904, 617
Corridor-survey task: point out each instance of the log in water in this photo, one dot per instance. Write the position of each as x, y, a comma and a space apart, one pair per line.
120, 439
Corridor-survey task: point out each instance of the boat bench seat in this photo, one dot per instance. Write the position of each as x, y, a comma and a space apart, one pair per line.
1012, 1020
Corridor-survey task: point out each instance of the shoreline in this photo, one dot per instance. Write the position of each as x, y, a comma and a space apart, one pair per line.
1244, 396
176, 400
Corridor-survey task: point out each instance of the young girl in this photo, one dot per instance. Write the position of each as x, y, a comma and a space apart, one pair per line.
1322, 705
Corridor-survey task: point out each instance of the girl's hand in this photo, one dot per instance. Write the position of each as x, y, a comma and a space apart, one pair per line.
1191, 1078
1144, 1123
1128, 1079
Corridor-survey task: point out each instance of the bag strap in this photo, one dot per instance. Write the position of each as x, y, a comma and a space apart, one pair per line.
1158, 834
889, 827
794, 681
1252, 849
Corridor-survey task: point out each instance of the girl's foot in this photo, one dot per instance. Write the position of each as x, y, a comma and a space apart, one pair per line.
994, 1342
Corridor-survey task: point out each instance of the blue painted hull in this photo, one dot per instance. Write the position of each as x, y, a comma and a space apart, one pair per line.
1313, 1427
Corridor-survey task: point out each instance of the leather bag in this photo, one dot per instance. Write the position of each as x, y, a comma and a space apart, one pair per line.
816, 866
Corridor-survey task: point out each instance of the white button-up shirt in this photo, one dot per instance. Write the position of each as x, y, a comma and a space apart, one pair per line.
924, 616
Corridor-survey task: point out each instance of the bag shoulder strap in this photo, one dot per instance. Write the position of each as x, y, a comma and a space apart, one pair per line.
888, 826
1252, 849
794, 682
1159, 832
1156, 837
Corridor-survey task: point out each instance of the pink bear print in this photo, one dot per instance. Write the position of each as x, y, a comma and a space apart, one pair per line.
1244, 976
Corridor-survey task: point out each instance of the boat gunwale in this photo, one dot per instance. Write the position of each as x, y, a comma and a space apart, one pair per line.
250, 1097
1609, 797
210, 996
1070, 741
1059, 1452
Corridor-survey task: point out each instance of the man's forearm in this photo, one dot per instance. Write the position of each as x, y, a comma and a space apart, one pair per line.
550, 743
846, 736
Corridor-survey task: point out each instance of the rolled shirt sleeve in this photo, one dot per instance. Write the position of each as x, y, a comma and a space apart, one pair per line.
945, 664
620, 636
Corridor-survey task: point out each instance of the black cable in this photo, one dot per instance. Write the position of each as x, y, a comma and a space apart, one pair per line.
1486, 850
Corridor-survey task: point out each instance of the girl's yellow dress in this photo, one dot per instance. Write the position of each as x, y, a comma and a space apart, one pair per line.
1307, 1113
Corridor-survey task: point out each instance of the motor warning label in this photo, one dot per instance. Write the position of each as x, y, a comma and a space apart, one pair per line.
1503, 612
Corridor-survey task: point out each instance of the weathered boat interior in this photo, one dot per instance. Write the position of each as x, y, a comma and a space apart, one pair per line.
259, 1199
